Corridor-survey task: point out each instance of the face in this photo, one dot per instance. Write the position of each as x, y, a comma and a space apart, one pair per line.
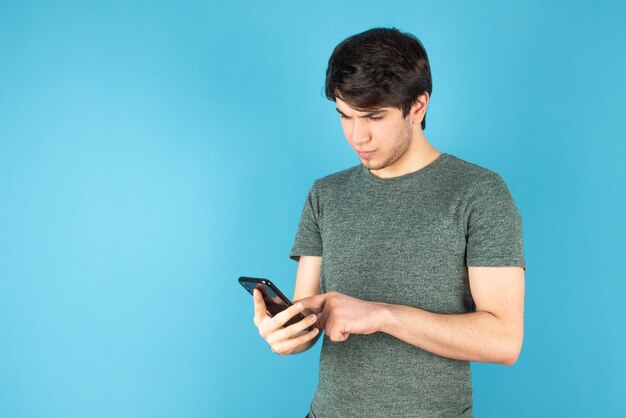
383, 133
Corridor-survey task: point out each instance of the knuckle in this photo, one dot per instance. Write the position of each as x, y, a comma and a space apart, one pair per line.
274, 322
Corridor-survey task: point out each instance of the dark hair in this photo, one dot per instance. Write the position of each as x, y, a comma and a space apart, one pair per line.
381, 67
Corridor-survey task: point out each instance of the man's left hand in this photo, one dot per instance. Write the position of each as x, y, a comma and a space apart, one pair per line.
342, 315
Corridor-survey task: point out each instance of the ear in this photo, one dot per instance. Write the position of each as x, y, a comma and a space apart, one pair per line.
418, 110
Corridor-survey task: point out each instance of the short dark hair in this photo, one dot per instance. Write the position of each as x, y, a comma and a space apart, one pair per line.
381, 67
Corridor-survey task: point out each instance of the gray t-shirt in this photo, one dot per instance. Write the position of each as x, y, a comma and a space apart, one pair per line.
404, 240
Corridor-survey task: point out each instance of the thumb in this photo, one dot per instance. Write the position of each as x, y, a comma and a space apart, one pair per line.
259, 304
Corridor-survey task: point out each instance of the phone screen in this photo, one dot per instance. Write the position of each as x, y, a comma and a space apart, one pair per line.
275, 301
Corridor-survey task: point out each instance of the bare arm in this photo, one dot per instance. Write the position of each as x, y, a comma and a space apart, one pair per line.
307, 284
492, 334
307, 277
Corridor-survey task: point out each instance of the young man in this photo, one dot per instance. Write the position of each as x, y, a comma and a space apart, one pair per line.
412, 260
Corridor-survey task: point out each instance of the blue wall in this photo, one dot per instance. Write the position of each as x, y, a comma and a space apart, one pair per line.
152, 153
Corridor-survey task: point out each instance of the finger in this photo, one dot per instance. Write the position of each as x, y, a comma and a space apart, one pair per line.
293, 330
336, 331
289, 345
281, 318
314, 302
260, 311
321, 320
330, 328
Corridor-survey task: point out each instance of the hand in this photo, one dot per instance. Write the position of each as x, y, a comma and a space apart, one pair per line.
342, 315
283, 341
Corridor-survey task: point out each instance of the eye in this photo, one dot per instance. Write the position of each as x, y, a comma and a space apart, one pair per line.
341, 116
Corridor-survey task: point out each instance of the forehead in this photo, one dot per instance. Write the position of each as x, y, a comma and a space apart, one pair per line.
344, 108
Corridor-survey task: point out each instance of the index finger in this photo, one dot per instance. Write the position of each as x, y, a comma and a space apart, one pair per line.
285, 315
315, 302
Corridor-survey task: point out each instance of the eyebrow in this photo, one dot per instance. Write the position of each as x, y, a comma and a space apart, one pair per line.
365, 115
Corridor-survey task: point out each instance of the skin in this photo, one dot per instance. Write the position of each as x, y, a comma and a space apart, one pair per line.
399, 143
494, 333
283, 341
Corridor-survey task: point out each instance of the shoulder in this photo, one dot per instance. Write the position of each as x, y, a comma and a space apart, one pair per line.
486, 194
462, 168
472, 177
337, 180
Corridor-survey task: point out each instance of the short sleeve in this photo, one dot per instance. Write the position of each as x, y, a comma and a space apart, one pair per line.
494, 225
308, 238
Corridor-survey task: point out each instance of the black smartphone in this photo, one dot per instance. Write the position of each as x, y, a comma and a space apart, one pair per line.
275, 301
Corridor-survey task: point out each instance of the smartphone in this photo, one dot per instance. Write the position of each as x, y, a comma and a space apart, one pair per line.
275, 301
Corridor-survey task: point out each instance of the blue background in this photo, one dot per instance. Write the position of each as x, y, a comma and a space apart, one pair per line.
151, 153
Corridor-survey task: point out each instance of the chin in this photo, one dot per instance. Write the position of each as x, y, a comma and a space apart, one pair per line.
372, 165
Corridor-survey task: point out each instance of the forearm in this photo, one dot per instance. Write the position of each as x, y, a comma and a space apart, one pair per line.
476, 336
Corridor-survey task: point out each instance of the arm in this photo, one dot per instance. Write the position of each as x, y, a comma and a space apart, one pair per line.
492, 334
307, 284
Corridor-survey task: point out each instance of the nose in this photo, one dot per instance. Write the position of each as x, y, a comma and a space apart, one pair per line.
360, 132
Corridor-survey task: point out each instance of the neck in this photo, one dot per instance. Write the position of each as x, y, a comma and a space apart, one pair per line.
418, 155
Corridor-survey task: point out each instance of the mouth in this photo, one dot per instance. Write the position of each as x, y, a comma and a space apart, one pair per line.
366, 154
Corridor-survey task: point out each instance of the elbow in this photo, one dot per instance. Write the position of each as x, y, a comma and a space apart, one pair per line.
509, 360
511, 352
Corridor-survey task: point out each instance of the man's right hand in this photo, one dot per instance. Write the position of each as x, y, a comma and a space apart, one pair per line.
283, 341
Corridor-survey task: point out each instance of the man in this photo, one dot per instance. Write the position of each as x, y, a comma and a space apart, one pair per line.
412, 260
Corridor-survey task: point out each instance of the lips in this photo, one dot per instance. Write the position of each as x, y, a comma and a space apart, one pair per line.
366, 154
